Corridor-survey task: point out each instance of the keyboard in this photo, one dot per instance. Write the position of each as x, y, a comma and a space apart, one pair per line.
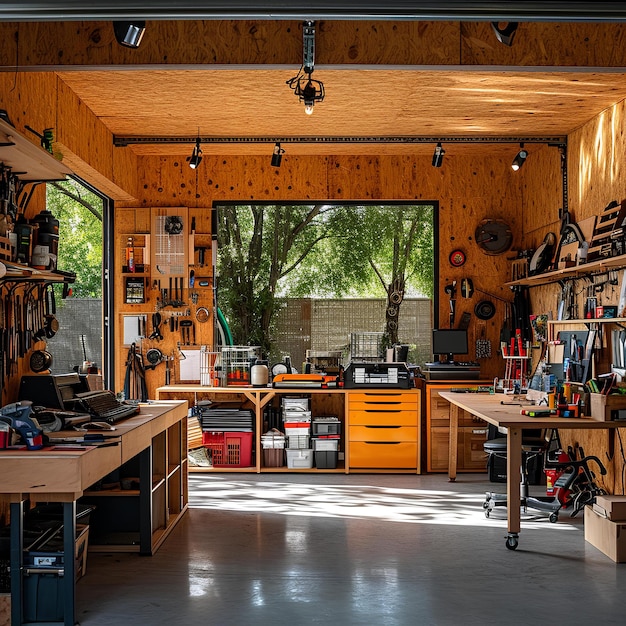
104, 406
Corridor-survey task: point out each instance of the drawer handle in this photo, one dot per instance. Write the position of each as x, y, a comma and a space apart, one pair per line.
383, 443
384, 426
383, 410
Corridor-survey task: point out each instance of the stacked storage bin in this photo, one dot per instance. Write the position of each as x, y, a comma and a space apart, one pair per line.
227, 433
326, 432
273, 444
297, 424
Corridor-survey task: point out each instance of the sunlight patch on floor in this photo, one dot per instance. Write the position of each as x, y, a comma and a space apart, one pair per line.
415, 506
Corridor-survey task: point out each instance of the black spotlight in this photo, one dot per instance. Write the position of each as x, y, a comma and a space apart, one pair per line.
129, 34
196, 155
277, 155
505, 33
438, 155
520, 158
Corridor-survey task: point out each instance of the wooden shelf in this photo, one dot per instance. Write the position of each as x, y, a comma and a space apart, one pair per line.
592, 320
29, 162
599, 266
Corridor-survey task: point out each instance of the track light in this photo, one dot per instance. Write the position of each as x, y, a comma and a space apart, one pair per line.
196, 155
438, 155
277, 155
506, 33
129, 34
308, 90
520, 157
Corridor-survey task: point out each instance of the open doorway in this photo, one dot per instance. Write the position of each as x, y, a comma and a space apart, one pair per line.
270, 254
81, 212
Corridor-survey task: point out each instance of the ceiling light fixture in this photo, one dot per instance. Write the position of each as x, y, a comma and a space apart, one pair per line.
129, 34
520, 158
505, 33
196, 155
308, 90
277, 155
438, 155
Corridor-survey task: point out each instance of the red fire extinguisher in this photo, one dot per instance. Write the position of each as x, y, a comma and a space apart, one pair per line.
553, 474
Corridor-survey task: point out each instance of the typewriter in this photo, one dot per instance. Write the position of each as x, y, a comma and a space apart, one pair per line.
104, 406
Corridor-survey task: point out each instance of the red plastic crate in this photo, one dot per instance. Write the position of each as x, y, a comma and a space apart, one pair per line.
229, 449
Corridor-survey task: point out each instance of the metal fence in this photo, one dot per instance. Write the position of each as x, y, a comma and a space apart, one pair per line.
326, 325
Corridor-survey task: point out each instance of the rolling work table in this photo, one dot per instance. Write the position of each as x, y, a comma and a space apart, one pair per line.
490, 408
156, 437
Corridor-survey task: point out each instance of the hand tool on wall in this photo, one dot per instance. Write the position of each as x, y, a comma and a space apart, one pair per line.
450, 289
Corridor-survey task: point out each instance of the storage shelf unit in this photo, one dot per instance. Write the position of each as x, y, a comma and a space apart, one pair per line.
472, 430
401, 448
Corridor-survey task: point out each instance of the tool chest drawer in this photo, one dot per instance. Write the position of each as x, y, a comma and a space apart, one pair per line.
380, 455
383, 417
355, 398
383, 433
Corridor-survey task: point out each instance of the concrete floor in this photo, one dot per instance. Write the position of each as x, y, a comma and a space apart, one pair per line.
385, 549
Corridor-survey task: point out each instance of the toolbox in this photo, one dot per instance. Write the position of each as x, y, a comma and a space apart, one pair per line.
377, 376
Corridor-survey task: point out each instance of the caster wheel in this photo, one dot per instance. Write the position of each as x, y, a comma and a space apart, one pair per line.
554, 518
511, 543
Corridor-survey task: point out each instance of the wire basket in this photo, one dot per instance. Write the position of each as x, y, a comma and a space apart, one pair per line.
366, 347
209, 367
236, 364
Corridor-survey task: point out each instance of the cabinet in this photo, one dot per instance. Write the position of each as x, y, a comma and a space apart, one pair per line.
383, 430
472, 430
380, 429
138, 504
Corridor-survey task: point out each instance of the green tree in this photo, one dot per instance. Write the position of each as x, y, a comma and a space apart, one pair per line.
267, 252
80, 235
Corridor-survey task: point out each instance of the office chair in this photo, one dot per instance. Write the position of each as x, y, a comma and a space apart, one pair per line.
574, 488
533, 445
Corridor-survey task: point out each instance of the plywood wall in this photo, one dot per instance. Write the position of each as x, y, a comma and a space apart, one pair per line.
596, 164
464, 189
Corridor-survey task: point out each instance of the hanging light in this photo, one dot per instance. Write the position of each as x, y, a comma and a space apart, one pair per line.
438, 155
520, 158
308, 90
129, 34
196, 155
277, 155
505, 33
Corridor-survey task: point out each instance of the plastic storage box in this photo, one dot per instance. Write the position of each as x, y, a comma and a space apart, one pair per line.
299, 459
326, 453
229, 449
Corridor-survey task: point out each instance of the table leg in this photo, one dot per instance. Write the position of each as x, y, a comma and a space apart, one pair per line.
513, 468
453, 442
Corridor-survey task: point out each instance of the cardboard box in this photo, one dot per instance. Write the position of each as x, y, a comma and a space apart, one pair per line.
602, 407
611, 507
608, 536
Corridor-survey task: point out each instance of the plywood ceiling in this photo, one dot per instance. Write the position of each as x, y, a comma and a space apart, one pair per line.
381, 102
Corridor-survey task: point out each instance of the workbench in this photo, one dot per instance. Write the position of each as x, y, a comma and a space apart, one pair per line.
155, 440
503, 411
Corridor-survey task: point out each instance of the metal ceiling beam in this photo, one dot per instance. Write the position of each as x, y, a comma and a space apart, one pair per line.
121, 141
555, 10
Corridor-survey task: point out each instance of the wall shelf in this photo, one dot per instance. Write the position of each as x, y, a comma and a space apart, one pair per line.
598, 266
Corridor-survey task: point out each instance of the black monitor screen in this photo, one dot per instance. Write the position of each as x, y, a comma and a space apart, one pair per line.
450, 341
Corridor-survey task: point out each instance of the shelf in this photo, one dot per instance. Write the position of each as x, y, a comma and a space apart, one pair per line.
593, 320
30, 163
598, 266
16, 272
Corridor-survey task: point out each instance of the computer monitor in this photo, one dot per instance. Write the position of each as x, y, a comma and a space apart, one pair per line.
450, 341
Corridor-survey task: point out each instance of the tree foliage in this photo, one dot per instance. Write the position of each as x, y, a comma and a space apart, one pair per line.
272, 251
80, 235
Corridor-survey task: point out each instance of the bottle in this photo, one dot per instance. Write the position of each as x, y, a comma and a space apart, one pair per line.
130, 255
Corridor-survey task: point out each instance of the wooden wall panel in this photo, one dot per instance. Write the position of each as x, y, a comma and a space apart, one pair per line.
546, 44
406, 42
